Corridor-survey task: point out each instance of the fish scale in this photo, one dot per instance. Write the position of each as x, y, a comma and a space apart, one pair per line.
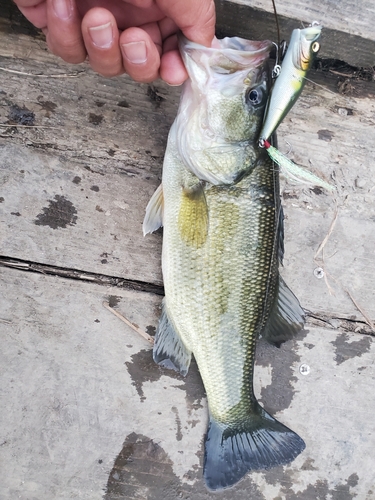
220, 208
246, 282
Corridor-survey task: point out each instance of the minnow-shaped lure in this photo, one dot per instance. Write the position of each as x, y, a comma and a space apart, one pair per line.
302, 50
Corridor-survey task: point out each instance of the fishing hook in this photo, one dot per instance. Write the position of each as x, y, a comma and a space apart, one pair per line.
277, 68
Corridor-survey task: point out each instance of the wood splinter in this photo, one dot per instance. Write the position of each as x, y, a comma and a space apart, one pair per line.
143, 334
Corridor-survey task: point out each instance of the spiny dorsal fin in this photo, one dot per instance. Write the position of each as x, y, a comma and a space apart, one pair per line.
193, 216
154, 212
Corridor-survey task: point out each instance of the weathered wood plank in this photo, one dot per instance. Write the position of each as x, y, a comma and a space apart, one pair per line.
348, 33
330, 135
104, 189
102, 159
61, 214
355, 19
98, 147
94, 413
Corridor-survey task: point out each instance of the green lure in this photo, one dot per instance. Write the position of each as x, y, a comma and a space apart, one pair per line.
293, 171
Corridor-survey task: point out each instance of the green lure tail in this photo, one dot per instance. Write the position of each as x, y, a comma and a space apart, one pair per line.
293, 171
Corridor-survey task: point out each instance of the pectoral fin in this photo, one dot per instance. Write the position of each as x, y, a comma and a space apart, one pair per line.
154, 212
169, 350
193, 216
286, 318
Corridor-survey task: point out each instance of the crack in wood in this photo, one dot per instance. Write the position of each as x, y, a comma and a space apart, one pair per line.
80, 275
345, 324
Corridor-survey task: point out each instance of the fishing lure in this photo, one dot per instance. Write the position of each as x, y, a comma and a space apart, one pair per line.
291, 78
302, 50
294, 171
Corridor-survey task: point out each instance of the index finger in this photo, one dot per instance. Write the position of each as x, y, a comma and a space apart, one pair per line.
34, 10
195, 18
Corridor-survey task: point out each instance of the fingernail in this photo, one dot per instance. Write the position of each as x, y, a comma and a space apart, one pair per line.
102, 36
135, 52
63, 9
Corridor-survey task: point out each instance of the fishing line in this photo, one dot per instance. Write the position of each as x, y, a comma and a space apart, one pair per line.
278, 33
345, 98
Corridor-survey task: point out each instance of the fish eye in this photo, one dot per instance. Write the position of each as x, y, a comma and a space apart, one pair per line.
255, 96
315, 47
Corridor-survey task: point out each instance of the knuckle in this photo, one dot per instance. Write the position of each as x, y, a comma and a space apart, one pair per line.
107, 70
142, 78
108, 73
74, 58
71, 51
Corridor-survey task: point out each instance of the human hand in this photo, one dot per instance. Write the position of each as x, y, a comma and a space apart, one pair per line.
133, 36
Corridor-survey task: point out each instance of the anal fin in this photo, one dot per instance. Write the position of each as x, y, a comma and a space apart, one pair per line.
169, 350
286, 318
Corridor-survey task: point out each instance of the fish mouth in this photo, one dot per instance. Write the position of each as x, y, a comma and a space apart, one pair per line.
226, 55
218, 124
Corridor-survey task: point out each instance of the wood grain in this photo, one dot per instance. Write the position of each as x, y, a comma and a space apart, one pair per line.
97, 418
80, 156
348, 33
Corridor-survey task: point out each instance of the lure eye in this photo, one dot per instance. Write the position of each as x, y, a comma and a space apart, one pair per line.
315, 47
255, 96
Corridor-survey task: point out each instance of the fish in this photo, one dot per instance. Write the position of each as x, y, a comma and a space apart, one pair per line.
302, 51
222, 219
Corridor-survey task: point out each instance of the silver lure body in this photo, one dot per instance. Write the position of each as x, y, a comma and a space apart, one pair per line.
302, 50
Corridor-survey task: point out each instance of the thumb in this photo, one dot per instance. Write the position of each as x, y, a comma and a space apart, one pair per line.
195, 18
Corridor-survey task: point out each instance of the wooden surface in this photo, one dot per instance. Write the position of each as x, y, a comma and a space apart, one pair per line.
348, 33
348, 27
90, 416
80, 156
355, 19
98, 162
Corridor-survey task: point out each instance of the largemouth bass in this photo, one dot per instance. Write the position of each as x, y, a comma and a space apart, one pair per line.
223, 238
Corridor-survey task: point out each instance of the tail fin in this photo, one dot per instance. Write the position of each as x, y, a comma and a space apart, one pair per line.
259, 442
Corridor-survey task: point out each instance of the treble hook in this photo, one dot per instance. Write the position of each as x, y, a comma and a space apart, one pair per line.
277, 68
